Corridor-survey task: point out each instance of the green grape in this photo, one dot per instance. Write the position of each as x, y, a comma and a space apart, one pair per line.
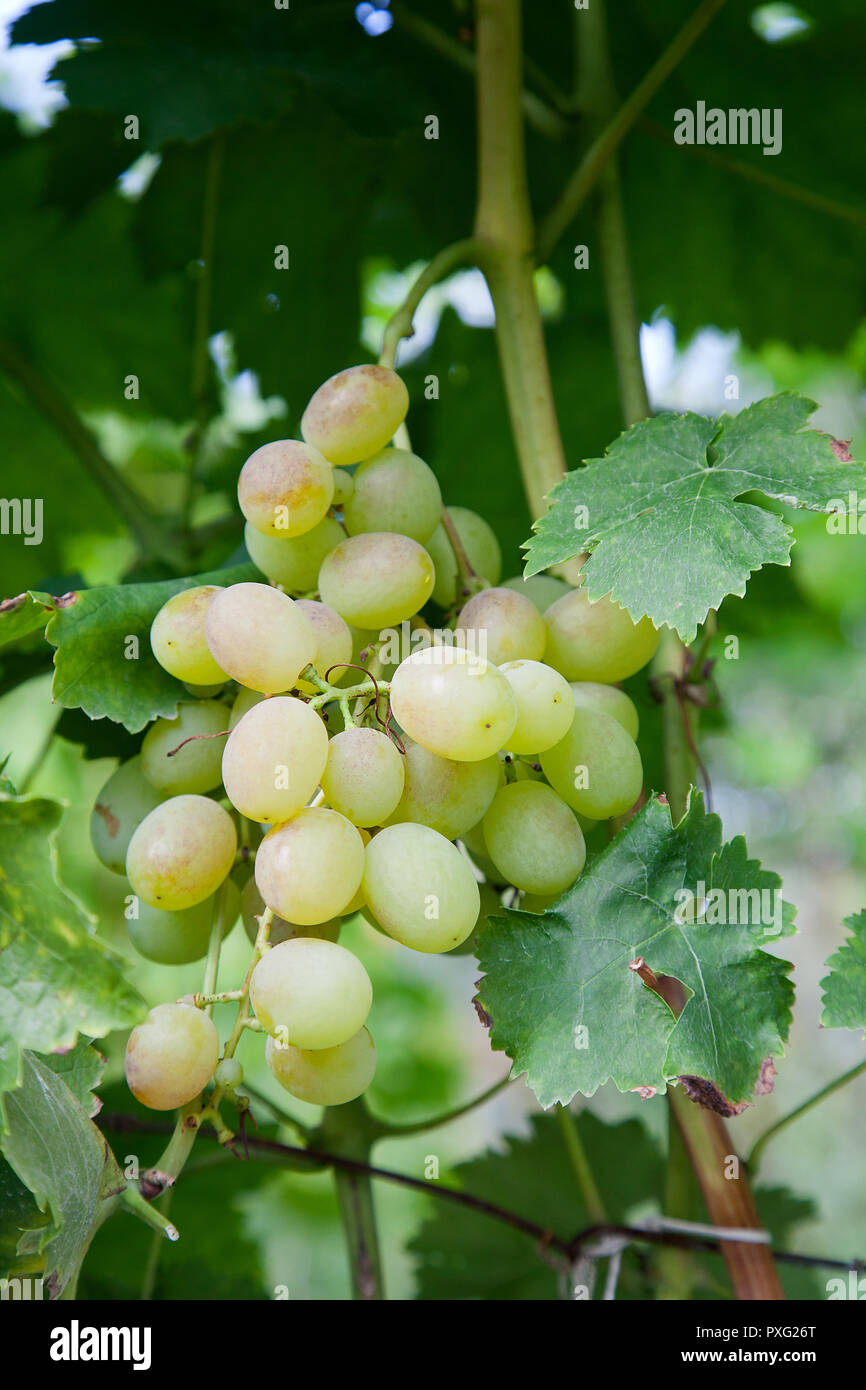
244, 701
596, 768
204, 692
344, 486
333, 643
181, 852
176, 938
545, 706
171, 1056
394, 491
294, 563
327, 1075
285, 488
122, 804
196, 766
473, 840
229, 1073
533, 838
355, 413
454, 703
177, 636
448, 796
273, 759
253, 905
611, 700
310, 993
482, 551
363, 777
420, 888
596, 641
525, 771
542, 589
377, 579
310, 869
260, 637
502, 626
537, 902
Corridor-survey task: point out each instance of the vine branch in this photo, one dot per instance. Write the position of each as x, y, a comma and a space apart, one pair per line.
469, 251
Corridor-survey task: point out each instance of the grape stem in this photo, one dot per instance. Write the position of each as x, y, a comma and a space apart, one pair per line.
469, 251
468, 582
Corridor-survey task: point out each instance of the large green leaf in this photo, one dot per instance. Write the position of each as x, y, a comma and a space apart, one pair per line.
56, 979
81, 1070
104, 664
659, 513
570, 1013
845, 987
462, 1254
59, 1154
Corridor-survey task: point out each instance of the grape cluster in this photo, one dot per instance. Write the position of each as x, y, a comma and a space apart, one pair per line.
422, 792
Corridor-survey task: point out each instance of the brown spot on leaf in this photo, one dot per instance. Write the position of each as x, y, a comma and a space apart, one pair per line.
842, 449
8, 605
645, 1092
766, 1078
707, 1094
486, 1020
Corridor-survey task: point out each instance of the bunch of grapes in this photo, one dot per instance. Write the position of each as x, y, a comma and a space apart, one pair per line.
422, 793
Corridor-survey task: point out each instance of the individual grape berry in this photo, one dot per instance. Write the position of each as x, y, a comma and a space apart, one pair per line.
542, 589
122, 804
294, 563
177, 637
363, 777
333, 644
533, 838
311, 994
420, 888
454, 703
502, 625
545, 705
285, 488
328, 1075
596, 768
171, 1056
596, 641
482, 551
176, 938
229, 1073
252, 907
394, 491
355, 413
377, 579
611, 700
196, 766
260, 637
344, 486
447, 795
244, 701
310, 869
181, 852
273, 759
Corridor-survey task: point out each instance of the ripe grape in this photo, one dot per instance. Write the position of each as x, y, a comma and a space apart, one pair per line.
533, 838
294, 563
611, 700
420, 888
285, 488
545, 706
448, 796
171, 1056
542, 589
309, 869
311, 993
328, 1075
363, 777
355, 413
229, 1073
502, 626
596, 768
196, 766
394, 491
274, 758
181, 852
333, 642
454, 703
244, 700
176, 938
260, 637
253, 905
482, 551
177, 637
122, 804
596, 641
377, 579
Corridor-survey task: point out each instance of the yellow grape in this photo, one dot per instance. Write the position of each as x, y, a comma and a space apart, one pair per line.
274, 758
310, 869
596, 768
377, 579
394, 491
596, 641
177, 637
533, 838
285, 488
327, 1075
311, 993
333, 643
363, 777
172, 1056
196, 766
420, 888
260, 637
502, 625
355, 413
181, 852
448, 796
611, 700
454, 703
545, 705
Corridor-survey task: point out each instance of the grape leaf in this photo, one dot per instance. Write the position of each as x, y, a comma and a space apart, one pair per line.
59, 1154
666, 535
23, 615
569, 1012
466, 1254
104, 664
845, 987
56, 978
80, 1068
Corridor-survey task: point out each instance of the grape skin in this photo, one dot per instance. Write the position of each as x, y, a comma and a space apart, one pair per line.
273, 759
363, 777
454, 703
311, 994
376, 579
196, 766
122, 804
294, 563
448, 796
244, 701
502, 625
177, 938
333, 643
596, 641
355, 413
545, 706
325, 1076
482, 551
542, 589
533, 838
394, 491
310, 869
181, 852
177, 637
252, 907
260, 637
171, 1056
597, 742
285, 488
420, 888
610, 700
